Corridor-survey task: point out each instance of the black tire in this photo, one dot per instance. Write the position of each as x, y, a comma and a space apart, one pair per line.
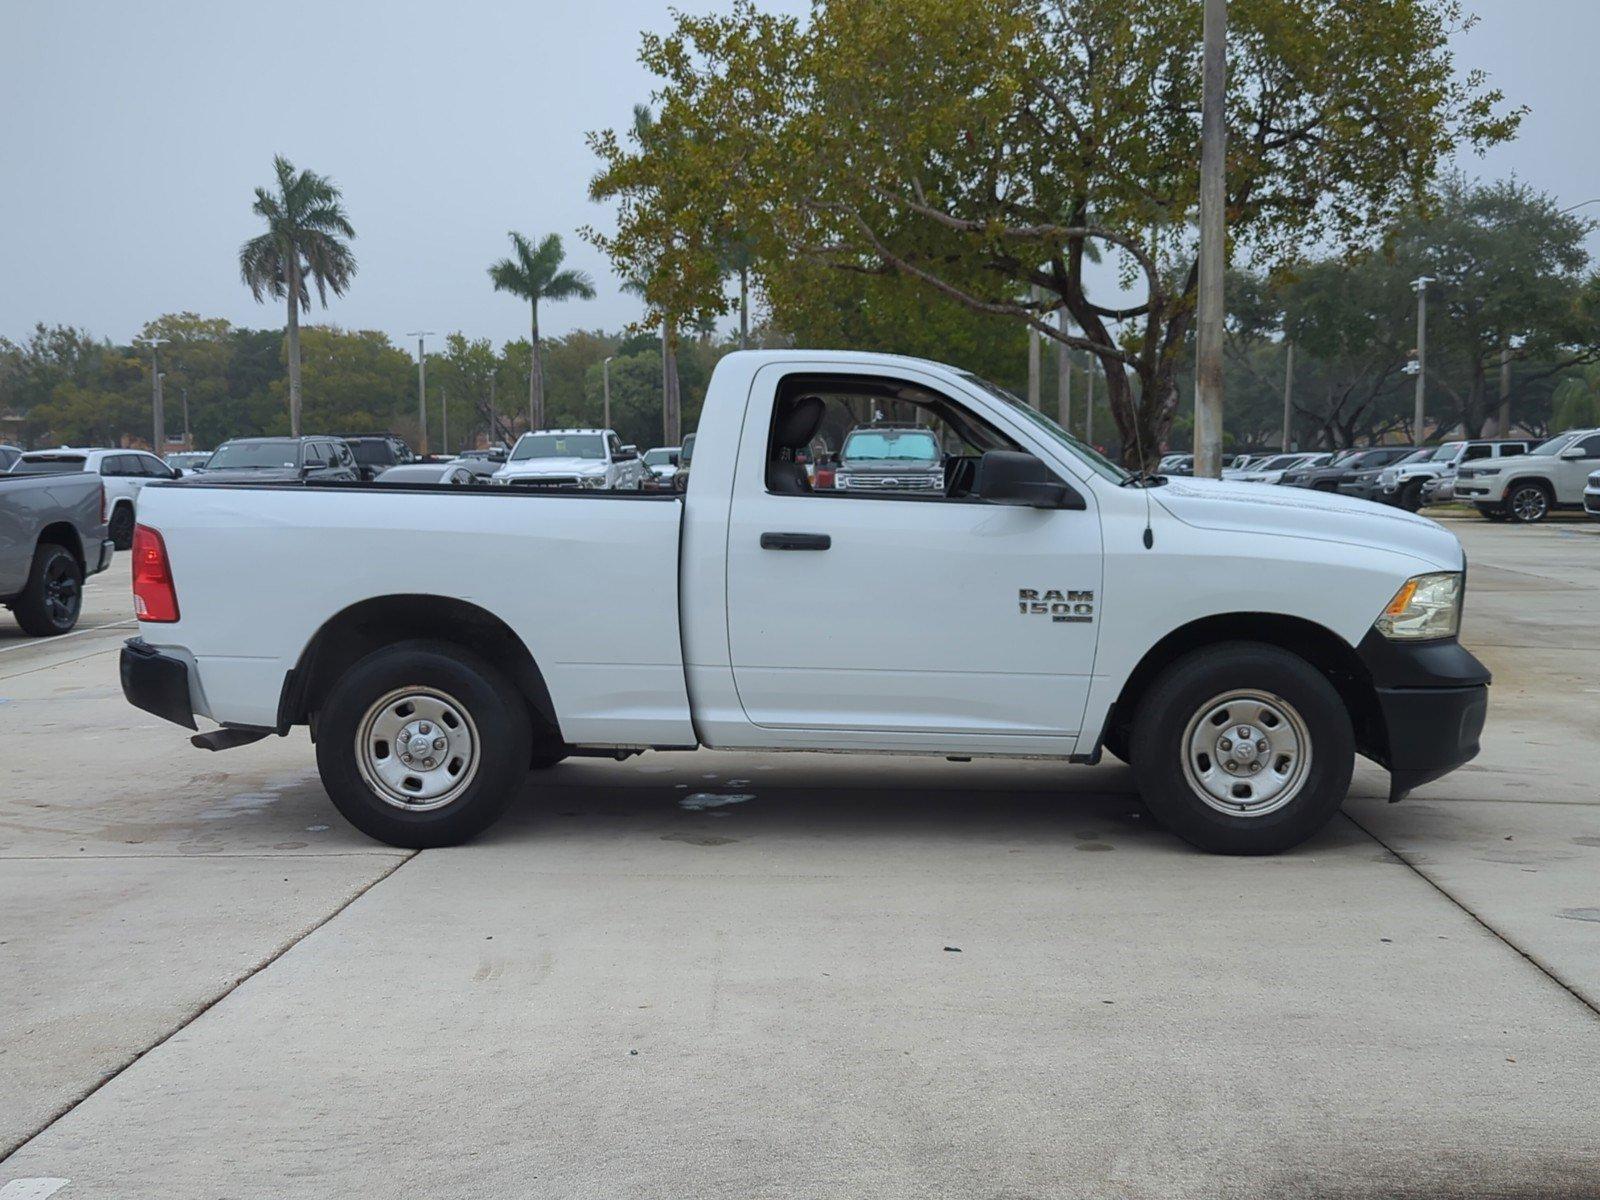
53, 597
1528, 503
120, 528
1410, 497
494, 710
1491, 512
1183, 695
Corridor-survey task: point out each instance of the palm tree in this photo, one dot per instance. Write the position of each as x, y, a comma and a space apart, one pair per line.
306, 242
535, 274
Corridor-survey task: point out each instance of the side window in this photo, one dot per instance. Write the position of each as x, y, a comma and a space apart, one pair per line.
342, 453
1590, 445
314, 455
874, 438
1511, 448
118, 465
1473, 452
613, 446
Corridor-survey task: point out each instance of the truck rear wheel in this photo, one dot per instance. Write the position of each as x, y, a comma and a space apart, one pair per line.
422, 744
50, 603
1243, 748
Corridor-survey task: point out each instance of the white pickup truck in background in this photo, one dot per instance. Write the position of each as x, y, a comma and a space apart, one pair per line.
1238, 645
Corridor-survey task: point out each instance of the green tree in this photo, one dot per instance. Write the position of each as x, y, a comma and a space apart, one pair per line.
535, 273
307, 241
982, 148
1577, 399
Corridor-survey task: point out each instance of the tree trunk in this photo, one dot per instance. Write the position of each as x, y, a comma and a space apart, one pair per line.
744, 308
535, 380
293, 340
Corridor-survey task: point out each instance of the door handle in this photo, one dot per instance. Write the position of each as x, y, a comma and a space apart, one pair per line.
795, 541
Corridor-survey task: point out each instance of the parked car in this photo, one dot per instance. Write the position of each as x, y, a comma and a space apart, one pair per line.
1527, 487
52, 537
890, 458
279, 460
8, 456
573, 458
490, 454
482, 469
1591, 497
1030, 609
1363, 484
186, 462
1272, 469
1406, 484
377, 452
680, 481
124, 472
1342, 466
456, 474
1176, 464
663, 464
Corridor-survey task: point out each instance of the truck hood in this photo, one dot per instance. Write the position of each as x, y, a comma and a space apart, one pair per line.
1298, 512
553, 466
1512, 462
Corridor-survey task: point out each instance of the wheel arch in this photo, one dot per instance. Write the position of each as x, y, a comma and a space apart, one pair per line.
354, 632
1518, 481
1325, 650
65, 535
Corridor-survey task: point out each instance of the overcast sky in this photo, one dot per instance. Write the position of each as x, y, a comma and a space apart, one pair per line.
134, 135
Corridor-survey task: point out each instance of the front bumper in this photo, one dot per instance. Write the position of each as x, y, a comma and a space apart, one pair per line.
1591, 504
1433, 698
156, 682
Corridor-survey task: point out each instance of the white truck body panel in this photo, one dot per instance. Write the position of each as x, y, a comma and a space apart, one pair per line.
909, 634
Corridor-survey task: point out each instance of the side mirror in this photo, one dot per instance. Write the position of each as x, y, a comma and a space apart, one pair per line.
1574, 452
1011, 477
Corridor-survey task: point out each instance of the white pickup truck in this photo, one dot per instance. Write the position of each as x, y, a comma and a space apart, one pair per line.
1238, 645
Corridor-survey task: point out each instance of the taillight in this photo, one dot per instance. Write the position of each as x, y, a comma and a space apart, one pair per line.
154, 597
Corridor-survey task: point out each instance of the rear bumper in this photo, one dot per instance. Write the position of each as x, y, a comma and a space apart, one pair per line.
107, 549
156, 682
1433, 698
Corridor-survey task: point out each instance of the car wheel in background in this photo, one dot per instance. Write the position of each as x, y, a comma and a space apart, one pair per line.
1528, 503
53, 597
422, 744
120, 528
1491, 512
1243, 748
1411, 495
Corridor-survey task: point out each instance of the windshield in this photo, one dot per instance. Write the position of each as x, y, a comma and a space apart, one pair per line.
1554, 446
1281, 463
1443, 453
254, 456
559, 445
1099, 462
372, 454
658, 458
903, 445
1348, 457
56, 464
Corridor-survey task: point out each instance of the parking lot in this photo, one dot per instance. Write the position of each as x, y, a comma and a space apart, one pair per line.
803, 975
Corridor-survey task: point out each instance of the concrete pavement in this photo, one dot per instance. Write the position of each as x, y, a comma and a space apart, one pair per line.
873, 977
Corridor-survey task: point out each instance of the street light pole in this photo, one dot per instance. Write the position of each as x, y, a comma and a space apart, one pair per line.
1288, 393
1420, 283
605, 378
1063, 373
158, 419
1213, 250
422, 385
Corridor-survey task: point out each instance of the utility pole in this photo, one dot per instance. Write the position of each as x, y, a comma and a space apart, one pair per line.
494, 421
1420, 283
1035, 365
444, 420
1213, 244
158, 417
605, 379
1504, 423
422, 387
188, 442
1288, 393
1063, 373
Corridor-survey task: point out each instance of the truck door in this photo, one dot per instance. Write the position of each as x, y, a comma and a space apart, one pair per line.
898, 616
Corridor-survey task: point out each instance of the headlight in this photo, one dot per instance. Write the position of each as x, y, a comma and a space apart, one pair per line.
596, 480
1425, 607
1480, 472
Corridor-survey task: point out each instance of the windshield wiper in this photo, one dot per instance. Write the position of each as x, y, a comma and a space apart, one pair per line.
1147, 479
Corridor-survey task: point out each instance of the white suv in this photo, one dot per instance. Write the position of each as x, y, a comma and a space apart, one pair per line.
1526, 487
568, 458
125, 472
1406, 484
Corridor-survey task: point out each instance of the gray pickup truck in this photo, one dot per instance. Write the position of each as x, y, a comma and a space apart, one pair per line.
52, 537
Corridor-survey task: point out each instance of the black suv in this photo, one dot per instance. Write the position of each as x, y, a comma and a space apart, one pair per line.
885, 457
278, 460
377, 452
1345, 467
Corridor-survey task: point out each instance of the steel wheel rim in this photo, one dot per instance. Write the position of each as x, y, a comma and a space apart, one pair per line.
1246, 753
1529, 503
62, 595
400, 735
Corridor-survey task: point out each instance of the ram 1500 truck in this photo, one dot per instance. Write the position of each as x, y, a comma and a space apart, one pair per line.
1237, 645
53, 535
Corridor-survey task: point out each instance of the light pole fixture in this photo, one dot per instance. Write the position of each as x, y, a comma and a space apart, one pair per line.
422, 386
1420, 284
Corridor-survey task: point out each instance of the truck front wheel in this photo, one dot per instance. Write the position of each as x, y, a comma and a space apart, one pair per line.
1243, 748
422, 744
